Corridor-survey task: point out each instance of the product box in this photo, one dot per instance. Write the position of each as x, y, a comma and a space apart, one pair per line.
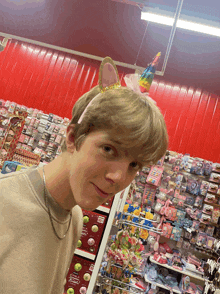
79, 275
93, 227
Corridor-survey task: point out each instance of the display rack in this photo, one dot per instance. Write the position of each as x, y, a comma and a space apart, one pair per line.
104, 241
207, 181
198, 276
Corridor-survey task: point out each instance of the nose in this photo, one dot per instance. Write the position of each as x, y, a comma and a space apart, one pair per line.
118, 172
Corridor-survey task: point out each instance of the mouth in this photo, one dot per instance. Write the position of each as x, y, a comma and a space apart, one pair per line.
100, 192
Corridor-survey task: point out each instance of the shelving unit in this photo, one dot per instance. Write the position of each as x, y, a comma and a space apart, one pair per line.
187, 273
154, 285
86, 254
103, 209
105, 236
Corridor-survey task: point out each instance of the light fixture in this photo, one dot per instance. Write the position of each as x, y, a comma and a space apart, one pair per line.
181, 23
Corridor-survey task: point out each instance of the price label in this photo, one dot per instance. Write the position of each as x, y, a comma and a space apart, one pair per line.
153, 286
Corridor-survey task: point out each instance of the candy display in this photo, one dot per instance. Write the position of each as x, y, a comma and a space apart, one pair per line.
93, 227
79, 275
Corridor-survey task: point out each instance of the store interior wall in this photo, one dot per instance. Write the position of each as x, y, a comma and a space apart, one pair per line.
52, 81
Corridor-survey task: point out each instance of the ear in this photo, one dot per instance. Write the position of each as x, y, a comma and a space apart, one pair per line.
108, 75
70, 138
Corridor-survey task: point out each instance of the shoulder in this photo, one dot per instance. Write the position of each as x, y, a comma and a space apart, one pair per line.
77, 216
77, 213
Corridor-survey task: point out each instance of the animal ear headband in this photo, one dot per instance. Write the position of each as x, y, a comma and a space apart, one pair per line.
108, 79
108, 75
141, 83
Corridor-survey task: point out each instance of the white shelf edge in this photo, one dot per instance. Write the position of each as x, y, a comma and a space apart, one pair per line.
187, 273
103, 209
161, 286
103, 243
85, 254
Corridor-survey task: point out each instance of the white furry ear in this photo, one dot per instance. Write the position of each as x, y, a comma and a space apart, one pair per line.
3, 44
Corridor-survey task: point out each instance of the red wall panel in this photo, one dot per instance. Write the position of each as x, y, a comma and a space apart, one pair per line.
52, 81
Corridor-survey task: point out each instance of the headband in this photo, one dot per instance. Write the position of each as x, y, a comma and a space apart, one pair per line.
108, 79
141, 83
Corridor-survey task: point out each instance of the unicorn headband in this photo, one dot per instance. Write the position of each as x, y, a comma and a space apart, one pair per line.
109, 79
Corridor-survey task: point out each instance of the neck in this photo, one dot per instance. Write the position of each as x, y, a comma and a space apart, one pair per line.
57, 182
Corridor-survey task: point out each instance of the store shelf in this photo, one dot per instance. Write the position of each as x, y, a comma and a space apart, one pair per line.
160, 285
187, 273
85, 254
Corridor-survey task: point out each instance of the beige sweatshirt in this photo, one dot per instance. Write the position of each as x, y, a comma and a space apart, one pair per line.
32, 259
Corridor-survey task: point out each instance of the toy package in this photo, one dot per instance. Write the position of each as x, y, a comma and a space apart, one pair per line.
193, 186
214, 177
180, 215
204, 188
186, 163
198, 202
155, 175
213, 188
167, 230
197, 167
148, 195
207, 168
216, 167
208, 209
176, 233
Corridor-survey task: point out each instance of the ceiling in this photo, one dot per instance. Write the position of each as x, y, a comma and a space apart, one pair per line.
115, 28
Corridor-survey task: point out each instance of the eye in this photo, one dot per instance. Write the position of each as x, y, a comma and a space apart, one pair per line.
108, 150
135, 165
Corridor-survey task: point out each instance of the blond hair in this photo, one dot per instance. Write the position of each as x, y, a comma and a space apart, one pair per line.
136, 121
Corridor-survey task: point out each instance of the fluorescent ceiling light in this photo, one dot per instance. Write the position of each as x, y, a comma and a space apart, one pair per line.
157, 18
183, 24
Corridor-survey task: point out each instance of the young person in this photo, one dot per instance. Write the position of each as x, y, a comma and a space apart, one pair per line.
112, 135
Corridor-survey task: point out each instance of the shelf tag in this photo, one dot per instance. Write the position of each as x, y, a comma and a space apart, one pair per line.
153, 286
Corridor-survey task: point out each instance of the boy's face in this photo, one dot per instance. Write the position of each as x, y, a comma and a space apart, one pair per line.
100, 169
